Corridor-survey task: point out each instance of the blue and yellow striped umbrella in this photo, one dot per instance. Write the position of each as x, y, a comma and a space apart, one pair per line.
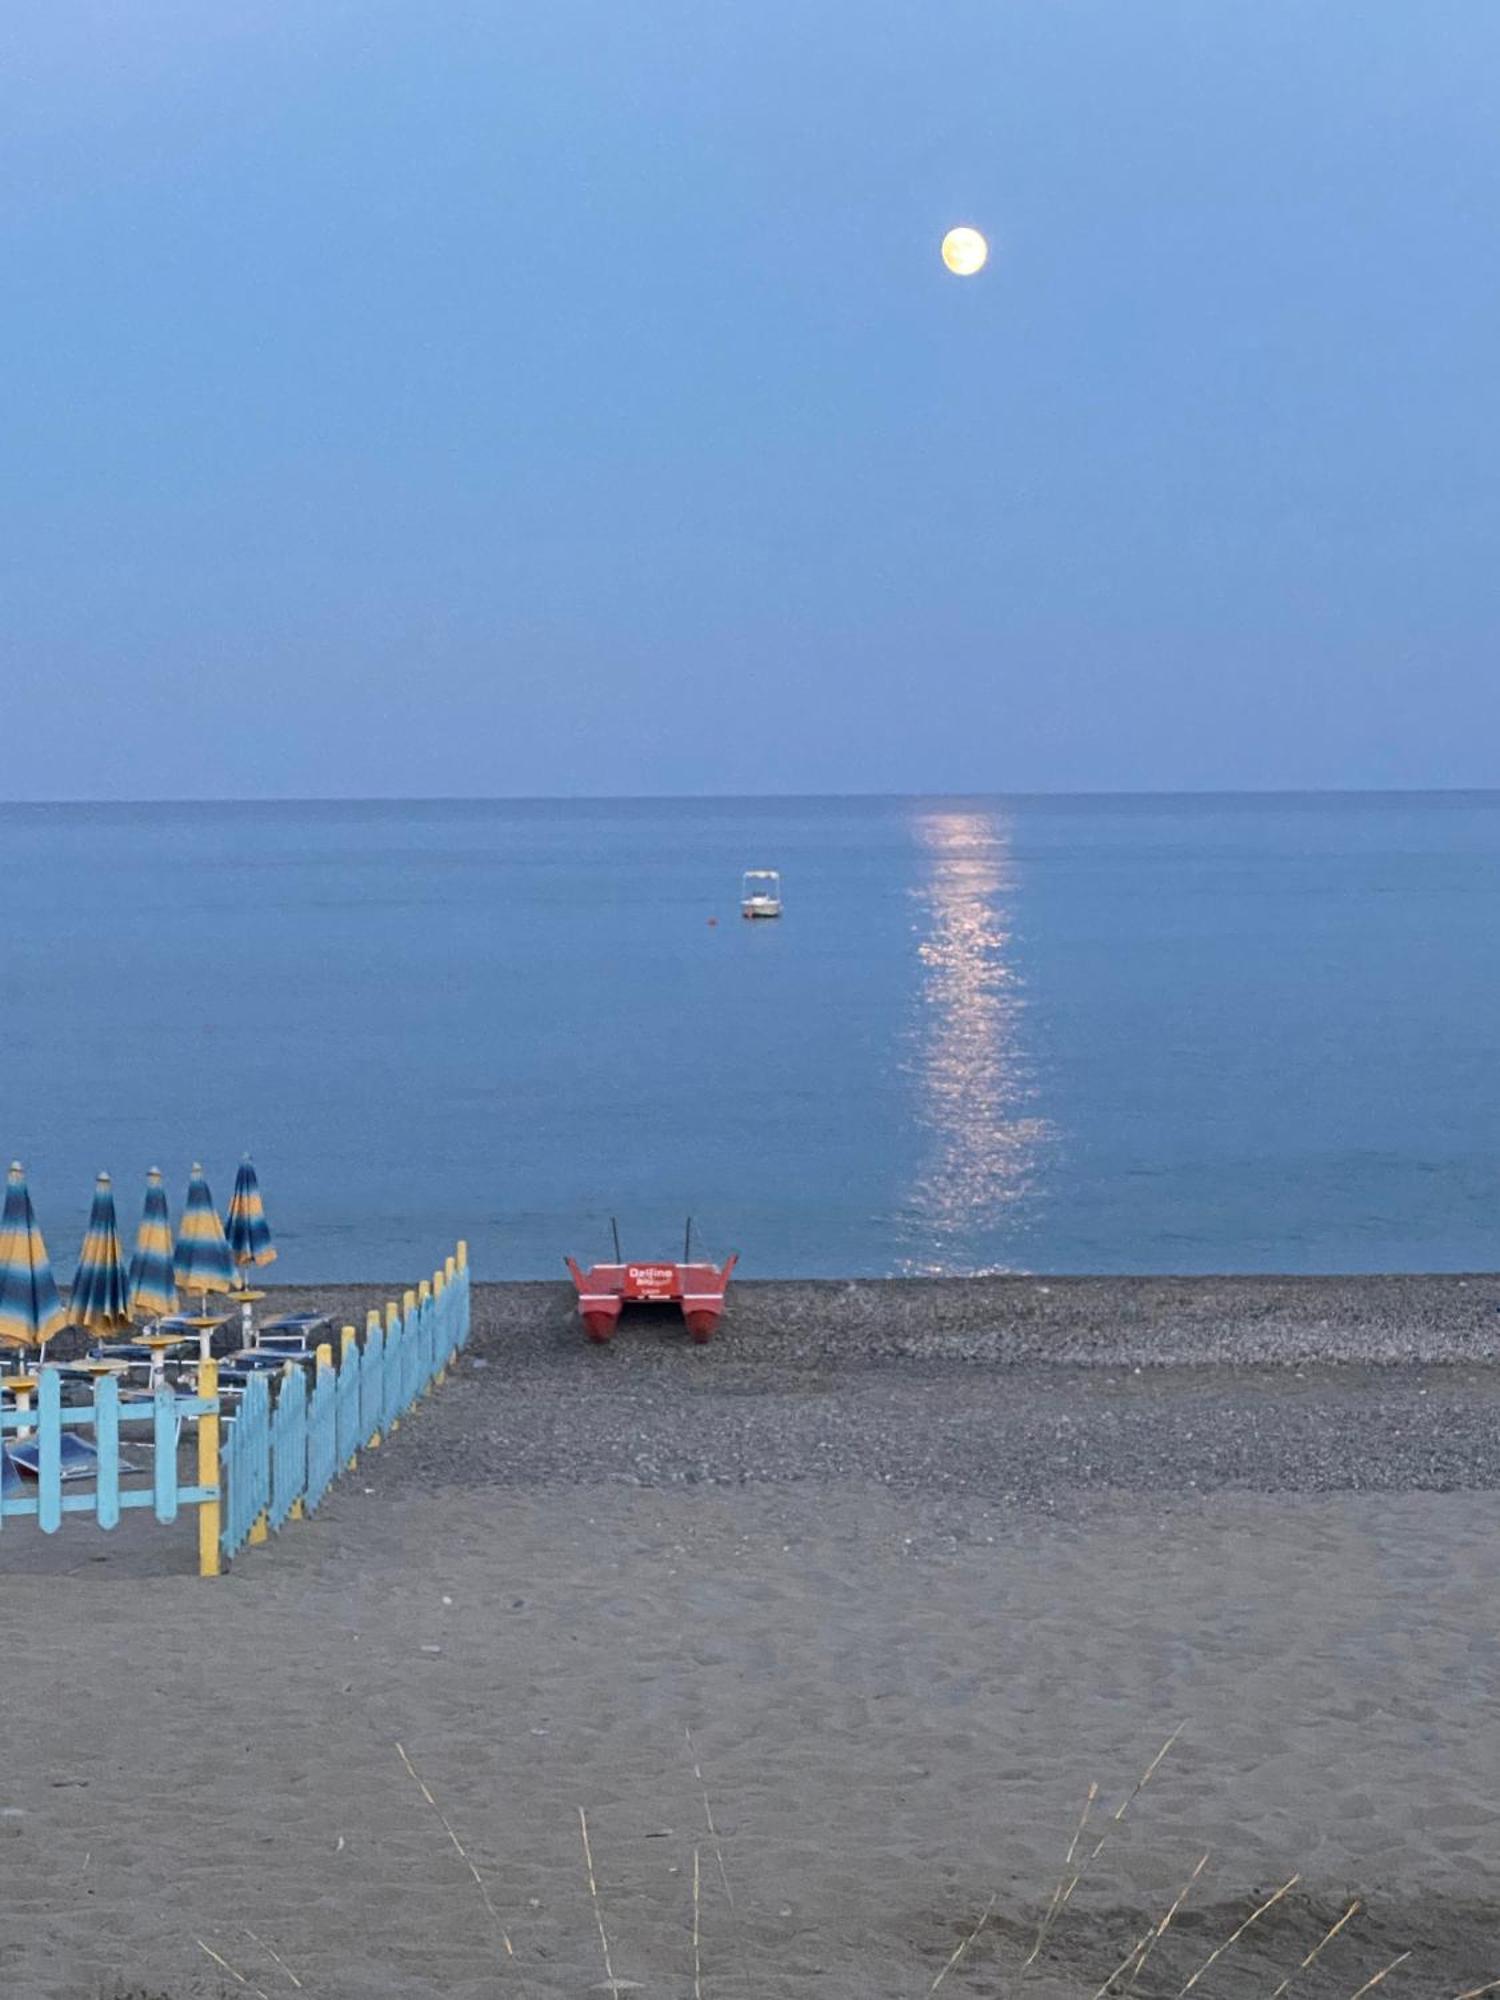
100, 1299
30, 1310
153, 1289
202, 1262
245, 1225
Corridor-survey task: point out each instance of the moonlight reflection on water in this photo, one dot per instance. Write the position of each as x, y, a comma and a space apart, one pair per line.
973, 1085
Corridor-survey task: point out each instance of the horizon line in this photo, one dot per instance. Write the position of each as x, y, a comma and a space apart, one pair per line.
758, 798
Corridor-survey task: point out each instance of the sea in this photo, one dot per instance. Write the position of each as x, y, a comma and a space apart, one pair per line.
1048, 1034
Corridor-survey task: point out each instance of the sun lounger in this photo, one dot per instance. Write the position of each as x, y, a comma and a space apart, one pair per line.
296, 1336
133, 1350
265, 1360
78, 1457
302, 1326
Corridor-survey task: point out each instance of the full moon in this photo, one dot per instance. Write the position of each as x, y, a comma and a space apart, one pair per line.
965, 252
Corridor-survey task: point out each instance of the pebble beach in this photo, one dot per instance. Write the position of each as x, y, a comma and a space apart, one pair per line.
848, 1610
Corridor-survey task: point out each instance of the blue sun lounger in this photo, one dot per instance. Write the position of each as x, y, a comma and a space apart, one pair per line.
79, 1459
294, 1333
255, 1361
132, 1350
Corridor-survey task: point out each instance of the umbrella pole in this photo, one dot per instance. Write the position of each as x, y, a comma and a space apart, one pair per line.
23, 1392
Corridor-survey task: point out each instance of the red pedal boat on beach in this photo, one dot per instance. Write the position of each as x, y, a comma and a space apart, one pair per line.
698, 1289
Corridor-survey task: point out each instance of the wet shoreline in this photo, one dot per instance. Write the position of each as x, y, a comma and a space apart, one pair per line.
1107, 1322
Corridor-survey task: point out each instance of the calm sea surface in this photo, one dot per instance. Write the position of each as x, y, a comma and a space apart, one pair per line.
1187, 1034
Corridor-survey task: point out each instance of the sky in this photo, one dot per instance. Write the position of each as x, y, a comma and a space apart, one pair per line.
567, 396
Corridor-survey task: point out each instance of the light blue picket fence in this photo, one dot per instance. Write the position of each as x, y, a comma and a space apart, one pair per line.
283, 1445
65, 1447
293, 1435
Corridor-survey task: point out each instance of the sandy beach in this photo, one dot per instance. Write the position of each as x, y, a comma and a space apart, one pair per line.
915, 1565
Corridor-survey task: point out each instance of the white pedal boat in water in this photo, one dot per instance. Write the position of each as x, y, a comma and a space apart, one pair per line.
760, 893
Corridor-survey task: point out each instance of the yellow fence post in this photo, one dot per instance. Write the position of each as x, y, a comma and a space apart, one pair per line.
408, 1310
393, 1315
209, 1511
297, 1511
440, 1283
347, 1339
459, 1261
424, 1295
372, 1327
392, 1321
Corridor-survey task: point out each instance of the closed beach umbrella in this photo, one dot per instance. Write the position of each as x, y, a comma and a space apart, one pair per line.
100, 1298
202, 1261
245, 1225
30, 1310
153, 1289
